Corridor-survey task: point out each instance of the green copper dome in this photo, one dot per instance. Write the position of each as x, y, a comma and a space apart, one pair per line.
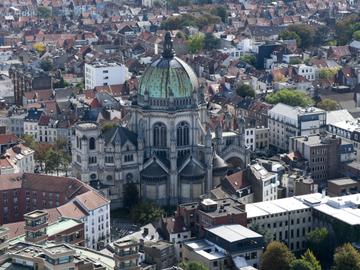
168, 76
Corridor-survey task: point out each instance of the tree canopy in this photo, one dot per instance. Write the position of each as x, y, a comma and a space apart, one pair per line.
327, 104
196, 43
183, 20
244, 90
193, 265
356, 35
131, 196
40, 48
145, 212
346, 27
210, 42
289, 97
321, 243
221, 12
249, 59
277, 256
46, 65
303, 33
346, 257
43, 12
327, 73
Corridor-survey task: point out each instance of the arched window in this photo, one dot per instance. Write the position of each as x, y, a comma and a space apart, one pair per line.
159, 135
182, 134
92, 143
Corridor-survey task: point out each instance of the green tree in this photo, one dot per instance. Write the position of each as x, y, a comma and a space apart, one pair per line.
244, 90
52, 161
327, 73
41, 150
131, 196
29, 141
192, 266
300, 264
289, 35
221, 12
211, 42
46, 65
145, 212
43, 12
346, 27
249, 58
346, 257
356, 35
277, 256
290, 97
305, 32
196, 43
321, 243
327, 104
321, 35
309, 257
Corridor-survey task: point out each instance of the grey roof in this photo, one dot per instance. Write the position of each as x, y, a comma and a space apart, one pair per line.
233, 233
154, 170
333, 117
120, 135
192, 169
218, 162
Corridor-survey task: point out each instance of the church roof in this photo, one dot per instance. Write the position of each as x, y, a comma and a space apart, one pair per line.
154, 170
168, 76
120, 135
218, 162
192, 169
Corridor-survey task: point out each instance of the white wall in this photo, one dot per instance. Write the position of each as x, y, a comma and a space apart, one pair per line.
104, 74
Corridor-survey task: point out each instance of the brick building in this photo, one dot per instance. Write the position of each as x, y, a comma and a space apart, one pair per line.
209, 213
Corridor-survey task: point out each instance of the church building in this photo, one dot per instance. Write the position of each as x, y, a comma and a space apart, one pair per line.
166, 147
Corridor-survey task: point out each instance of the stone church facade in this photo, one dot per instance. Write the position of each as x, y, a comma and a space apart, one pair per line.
166, 147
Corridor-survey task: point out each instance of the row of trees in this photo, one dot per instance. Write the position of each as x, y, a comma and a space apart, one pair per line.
53, 156
305, 35
321, 254
184, 20
278, 257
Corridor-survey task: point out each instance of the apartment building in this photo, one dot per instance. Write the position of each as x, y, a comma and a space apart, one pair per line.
210, 213
288, 220
22, 193
287, 121
324, 155
102, 74
21, 158
264, 183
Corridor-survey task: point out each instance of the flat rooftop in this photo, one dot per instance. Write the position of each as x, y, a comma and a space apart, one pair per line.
234, 232
274, 207
343, 181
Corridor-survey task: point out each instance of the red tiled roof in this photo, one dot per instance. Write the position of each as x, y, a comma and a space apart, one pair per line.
237, 180
8, 138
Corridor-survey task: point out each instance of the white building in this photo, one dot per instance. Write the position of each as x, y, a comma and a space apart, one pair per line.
308, 72
22, 158
264, 183
250, 138
286, 121
101, 74
94, 211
